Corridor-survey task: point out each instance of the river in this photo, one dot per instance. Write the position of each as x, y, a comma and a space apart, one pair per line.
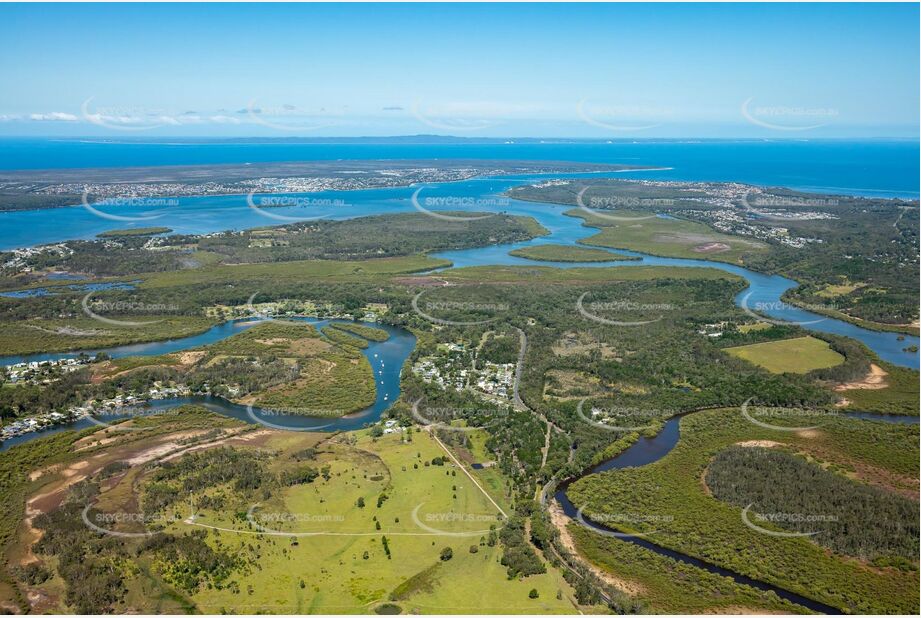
647, 450
480, 194
387, 358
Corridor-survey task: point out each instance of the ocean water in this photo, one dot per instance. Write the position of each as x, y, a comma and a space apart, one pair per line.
855, 167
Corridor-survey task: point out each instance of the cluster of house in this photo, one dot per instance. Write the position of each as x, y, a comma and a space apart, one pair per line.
371, 312
118, 406
42, 370
34, 423
19, 258
450, 370
713, 330
391, 426
496, 379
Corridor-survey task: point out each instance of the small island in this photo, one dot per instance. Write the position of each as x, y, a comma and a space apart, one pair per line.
564, 253
137, 231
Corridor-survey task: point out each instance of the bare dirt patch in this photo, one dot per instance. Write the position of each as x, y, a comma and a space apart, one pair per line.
256, 438
874, 380
572, 344
712, 247
759, 443
422, 282
191, 357
559, 519
309, 346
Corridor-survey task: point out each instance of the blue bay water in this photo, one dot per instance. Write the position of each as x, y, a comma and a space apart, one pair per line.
208, 214
854, 167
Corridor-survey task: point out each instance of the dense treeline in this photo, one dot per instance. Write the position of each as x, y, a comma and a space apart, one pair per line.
500, 348
518, 557
848, 517
668, 496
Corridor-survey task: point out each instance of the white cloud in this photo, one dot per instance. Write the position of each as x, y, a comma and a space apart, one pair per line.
222, 119
53, 117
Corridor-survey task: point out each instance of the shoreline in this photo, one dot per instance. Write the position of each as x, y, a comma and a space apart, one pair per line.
902, 329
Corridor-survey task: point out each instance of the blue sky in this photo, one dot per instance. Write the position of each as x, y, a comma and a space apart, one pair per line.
543, 70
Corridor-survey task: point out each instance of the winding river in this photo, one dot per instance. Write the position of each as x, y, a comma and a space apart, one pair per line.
481, 194
387, 358
647, 450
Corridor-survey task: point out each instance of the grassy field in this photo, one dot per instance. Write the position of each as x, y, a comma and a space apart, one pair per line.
749, 328
329, 556
799, 355
880, 454
340, 579
84, 333
332, 559
567, 253
669, 238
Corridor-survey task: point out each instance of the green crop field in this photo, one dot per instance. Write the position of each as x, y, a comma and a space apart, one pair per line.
799, 355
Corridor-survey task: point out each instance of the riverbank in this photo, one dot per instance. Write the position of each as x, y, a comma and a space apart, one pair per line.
669, 543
